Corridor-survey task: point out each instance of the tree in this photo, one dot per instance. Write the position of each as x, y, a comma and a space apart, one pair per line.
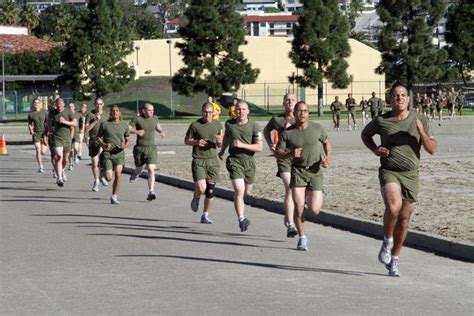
408, 55
354, 10
9, 13
212, 36
320, 45
168, 9
29, 17
142, 24
460, 34
95, 53
56, 23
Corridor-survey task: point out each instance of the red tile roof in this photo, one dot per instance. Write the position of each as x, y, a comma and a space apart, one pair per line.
26, 43
272, 18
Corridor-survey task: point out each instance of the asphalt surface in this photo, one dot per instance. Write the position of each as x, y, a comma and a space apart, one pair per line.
69, 251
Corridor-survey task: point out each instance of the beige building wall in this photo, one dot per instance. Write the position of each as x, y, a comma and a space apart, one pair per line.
270, 55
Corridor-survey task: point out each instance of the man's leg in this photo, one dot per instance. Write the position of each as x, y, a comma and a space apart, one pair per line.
151, 177
239, 192
39, 158
117, 179
314, 200
391, 194
401, 227
298, 194
58, 164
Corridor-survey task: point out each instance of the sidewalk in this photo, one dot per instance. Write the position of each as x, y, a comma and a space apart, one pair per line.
69, 251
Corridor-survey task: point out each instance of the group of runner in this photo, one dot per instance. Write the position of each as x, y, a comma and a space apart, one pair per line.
302, 150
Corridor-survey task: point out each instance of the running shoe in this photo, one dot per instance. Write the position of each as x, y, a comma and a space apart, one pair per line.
133, 177
60, 182
385, 252
95, 186
244, 224
205, 219
291, 231
103, 182
195, 204
71, 167
64, 176
151, 196
114, 200
40, 170
393, 268
302, 244
76, 160
54, 174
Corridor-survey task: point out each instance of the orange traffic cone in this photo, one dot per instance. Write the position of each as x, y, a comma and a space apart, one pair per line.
3, 146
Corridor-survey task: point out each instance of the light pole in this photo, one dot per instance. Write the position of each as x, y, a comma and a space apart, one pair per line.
2, 108
137, 49
171, 74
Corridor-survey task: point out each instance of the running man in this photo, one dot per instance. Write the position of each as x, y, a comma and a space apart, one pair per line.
302, 142
37, 120
244, 139
144, 152
364, 106
217, 108
439, 101
350, 105
113, 136
278, 124
73, 154
402, 133
82, 129
373, 105
205, 135
336, 107
460, 103
93, 121
60, 124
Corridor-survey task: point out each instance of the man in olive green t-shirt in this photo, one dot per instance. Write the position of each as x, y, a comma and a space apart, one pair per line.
402, 133
373, 103
244, 139
205, 135
144, 152
72, 158
60, 124
278, 124
37, 127
302, 142
350, 105
113, 136
336, 108
93, 121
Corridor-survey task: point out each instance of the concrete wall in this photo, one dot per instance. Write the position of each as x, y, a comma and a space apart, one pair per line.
270, 55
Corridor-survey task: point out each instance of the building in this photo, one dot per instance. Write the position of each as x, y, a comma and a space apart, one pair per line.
270, 25
41, 5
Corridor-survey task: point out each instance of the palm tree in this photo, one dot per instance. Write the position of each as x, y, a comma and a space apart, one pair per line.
9, 13
29, 17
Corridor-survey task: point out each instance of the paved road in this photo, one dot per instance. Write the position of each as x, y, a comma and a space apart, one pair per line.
68, 251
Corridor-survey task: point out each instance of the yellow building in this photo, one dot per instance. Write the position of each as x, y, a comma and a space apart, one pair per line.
270, 55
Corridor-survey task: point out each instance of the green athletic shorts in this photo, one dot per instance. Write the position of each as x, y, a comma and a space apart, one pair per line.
310, 178
241, 169
94, 148
284, 165
109, 160
38, 138
407, 180
205, 169
61, 142
144, 155
352, 111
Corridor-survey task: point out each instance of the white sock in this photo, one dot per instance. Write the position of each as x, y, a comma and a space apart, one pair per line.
241, 218
303, 236
389, 240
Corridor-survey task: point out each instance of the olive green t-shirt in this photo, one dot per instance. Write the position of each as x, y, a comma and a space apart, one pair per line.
37, 119
350, 103
308, 140
374, 103
78, 117
207, 131
147, 124
113, 132
401, 138
90, 118
336, 106
248, 133
279, 123
61, 131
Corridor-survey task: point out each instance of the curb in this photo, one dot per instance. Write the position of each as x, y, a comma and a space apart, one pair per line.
463, 251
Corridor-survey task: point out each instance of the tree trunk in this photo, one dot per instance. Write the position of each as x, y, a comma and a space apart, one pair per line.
320, 99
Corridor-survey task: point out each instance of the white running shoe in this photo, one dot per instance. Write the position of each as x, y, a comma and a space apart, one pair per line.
104, 182
385, 253
95, 186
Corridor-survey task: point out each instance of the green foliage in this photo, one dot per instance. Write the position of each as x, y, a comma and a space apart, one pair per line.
408, 55
56, 23
354, 10
212, 34
142, 24
94, 55
29, 17
9, 13
320, 45
168, 9
34, 63
460, 34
